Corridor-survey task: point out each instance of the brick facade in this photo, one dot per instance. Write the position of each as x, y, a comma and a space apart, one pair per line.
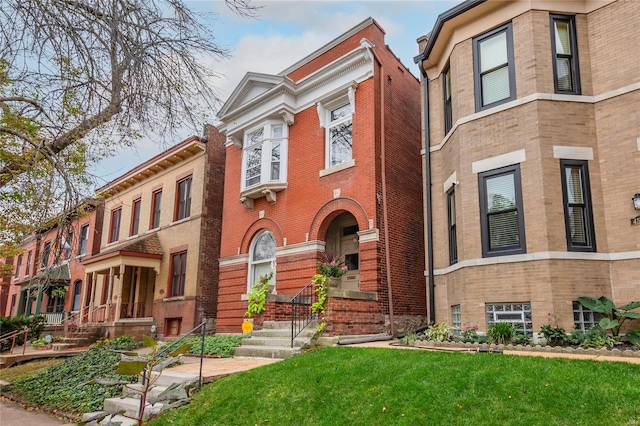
316, 199
598, 125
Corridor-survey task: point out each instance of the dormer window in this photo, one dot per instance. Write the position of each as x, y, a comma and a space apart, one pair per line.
264, 160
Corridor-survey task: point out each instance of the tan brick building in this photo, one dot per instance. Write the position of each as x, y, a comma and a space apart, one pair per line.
531, 145
160, 234
324, 157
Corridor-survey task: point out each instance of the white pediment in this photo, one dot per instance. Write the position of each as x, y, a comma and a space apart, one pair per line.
252, 86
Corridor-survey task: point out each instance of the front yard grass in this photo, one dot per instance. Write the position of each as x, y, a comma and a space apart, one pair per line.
23, 370
370, 386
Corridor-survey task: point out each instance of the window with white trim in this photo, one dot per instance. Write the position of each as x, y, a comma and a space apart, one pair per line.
264, 155
262, 258
583, 318
516, 314
339, 138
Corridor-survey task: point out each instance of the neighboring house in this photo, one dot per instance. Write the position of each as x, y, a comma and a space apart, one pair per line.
324, 157
48, 275
533, 141
160, 242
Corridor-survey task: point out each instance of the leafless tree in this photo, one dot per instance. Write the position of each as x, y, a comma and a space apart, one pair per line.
80, 77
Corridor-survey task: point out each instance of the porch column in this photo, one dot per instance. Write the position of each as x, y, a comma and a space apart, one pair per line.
109, 294
136, 294
83, 297
119, 292
20, 304
92, 300
39, 301
29, 304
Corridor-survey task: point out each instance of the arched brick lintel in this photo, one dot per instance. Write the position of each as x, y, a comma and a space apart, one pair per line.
257, 226
331, 210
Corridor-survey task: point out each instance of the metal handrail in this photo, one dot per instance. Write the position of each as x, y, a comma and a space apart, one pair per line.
301, 314
13, 335
203, 326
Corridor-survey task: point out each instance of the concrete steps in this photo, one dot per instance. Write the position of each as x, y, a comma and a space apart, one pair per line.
129, 404
274, 341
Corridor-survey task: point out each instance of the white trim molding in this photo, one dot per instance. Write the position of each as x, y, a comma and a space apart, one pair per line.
572, 152
311, 246
451, 180
545, 255
531, 98
504, 160
233, 260
368, 235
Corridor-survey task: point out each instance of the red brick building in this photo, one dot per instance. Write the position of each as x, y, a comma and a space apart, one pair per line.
324, 157
50, 261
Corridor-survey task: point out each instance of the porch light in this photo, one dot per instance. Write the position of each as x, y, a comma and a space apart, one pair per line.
636, 201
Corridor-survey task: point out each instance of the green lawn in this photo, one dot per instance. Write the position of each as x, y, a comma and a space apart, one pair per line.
368, 386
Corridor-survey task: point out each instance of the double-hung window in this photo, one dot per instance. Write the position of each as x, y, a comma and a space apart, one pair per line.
18, 266
501, 213
453, 239
27, 270
84, 238
183, 198
46, 250
448, 113
339, 138
178, 274
114, 231
156, 209
565, 54
135, 217
494, 69
265, 155
576, 196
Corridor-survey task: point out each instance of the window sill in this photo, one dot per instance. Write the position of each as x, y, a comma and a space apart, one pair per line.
338, 168
174, 299
267, 190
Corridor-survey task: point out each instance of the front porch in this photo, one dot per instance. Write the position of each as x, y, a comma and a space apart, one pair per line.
120, 290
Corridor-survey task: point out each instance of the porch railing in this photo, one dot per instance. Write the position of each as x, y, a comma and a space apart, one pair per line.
12, 336
53, 318
132, 310
301, 314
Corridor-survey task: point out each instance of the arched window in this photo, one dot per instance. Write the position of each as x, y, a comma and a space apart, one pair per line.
77, 289
262, 258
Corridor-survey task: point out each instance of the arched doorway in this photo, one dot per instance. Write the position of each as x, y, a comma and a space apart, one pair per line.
342, 238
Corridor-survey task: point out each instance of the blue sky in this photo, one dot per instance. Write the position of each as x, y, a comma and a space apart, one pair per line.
283, 33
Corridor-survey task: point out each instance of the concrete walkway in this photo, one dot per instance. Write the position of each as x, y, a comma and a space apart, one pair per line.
216, 368
11, 414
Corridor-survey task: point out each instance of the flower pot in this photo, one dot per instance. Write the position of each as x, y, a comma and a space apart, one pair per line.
333, 282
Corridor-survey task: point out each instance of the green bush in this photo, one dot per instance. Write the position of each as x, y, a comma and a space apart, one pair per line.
222, 346
556, 336
597, 337
34, 323
64, 387
501, 333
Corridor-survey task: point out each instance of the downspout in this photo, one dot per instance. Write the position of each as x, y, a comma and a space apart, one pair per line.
383, 158
427, 168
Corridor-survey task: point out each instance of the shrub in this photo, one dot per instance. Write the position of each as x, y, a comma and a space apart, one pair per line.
34, 323
257, 296
501, 333
576, 337
438, 332
222, 346
521, 339
596, 337
469, 333
64, 386
556, 336
614, 316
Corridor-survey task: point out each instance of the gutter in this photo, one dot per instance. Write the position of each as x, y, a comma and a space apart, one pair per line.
427, 168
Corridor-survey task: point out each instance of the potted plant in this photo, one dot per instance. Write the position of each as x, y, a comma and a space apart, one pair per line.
59, 292
332, 266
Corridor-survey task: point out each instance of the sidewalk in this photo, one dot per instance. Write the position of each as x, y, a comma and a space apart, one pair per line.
11, 414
